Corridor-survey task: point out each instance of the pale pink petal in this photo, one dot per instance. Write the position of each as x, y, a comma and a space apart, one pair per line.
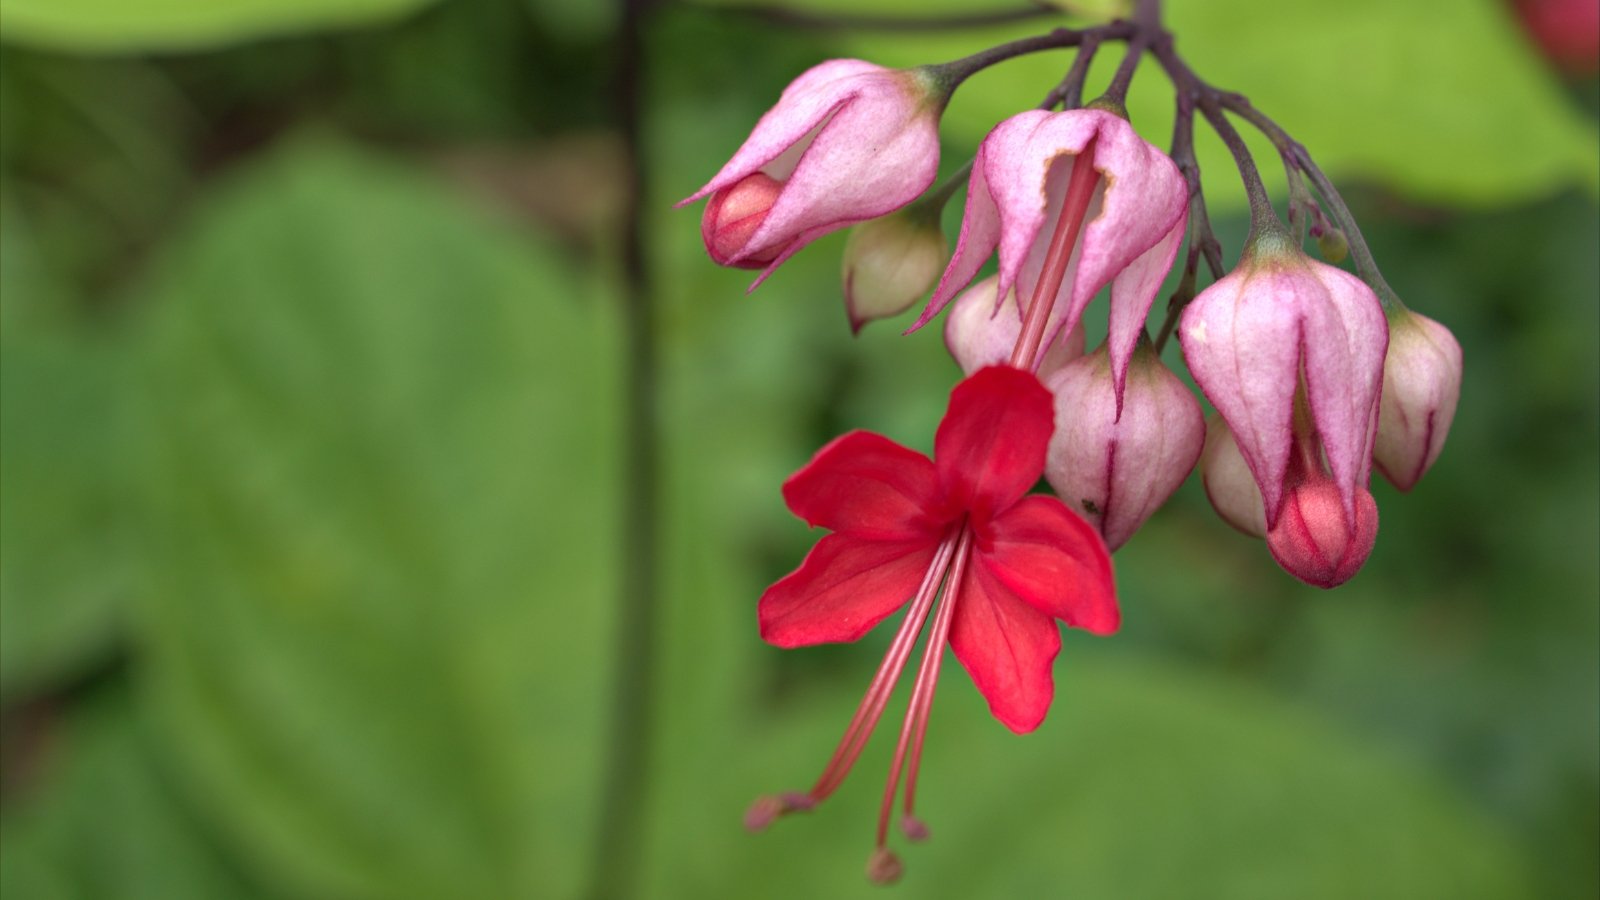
1241, 339
879, 152
803, 105
980, 232
1132, 292
1345, 341
1421, 386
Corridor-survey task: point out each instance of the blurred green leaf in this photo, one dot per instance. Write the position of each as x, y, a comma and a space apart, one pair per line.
381, 468
64, 563
122, 26
1147, 781
1446, 102
102, 821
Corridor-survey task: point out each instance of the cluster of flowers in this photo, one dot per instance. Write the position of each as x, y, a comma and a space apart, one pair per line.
1312, 378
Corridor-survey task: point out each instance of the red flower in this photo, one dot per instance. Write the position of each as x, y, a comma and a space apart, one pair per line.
904, 525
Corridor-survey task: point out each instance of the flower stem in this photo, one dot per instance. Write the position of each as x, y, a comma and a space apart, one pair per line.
1202, 241
951, 74
613, 871
1069, 93
1117, 91
1296, 154
822, 21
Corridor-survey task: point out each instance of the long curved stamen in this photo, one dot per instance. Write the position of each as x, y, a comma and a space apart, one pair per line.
1080, 188
908, 754
877, 696
767, 808
928, 679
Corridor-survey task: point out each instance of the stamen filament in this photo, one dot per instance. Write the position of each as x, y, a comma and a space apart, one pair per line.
877, 696
1080, 188
928, 678
916, 721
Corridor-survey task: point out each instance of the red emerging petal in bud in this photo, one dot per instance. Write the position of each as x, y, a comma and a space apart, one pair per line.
732, 217
1315, 541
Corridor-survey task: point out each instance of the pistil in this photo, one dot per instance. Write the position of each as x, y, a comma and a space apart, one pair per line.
1069, 224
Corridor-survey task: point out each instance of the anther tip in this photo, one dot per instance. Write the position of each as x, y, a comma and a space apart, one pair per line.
762, 812
914, 828
883, 867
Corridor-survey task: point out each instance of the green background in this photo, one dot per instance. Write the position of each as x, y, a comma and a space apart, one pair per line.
310, 386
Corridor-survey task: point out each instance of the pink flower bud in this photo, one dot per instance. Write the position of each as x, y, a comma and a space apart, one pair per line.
1116, 471
889, 264
1316, 541
1421, 384
979, 333
1249, 337
848, 141
1229, 485
1135, 220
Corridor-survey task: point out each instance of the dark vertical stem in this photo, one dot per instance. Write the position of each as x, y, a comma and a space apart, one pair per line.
617, 850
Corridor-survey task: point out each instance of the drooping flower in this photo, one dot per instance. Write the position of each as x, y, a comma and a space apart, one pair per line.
905, 527
847, 141
1115, 467
1290, 352
1421, 385
1039, 167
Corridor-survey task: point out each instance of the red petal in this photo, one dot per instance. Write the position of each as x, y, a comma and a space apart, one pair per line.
1054, 561
865, 485
1007, 647
990, 447
845, 586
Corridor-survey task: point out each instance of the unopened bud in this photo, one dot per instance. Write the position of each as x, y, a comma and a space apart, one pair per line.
1229, 485
1333, 245
979, 333
1315, 541
733, 216
1116, 470
889, 264
883, 867
1421, 385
